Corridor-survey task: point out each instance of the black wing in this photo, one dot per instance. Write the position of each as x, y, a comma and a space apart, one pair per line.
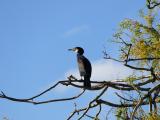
84, 65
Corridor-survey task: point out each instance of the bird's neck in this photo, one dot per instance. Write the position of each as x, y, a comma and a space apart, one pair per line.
78, 54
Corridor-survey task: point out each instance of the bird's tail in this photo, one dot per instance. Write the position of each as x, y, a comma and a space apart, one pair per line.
87, 83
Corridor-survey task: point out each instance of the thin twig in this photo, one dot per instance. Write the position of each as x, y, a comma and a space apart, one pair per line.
94, 100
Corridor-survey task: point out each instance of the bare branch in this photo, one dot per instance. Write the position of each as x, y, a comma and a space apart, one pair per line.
152, 4
80, 110
137, 68
100, 101
101, 84
58, 100
42, 102
60, 82
94, 100
100, 108
140, 59
123, 97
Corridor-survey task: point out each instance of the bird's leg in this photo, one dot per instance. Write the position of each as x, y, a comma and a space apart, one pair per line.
82, 78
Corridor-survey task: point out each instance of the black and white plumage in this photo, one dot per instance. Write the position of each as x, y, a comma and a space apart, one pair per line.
85, 68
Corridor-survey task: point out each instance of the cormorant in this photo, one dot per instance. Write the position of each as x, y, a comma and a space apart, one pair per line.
84, 65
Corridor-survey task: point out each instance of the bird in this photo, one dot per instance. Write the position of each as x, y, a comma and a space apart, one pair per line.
84, 65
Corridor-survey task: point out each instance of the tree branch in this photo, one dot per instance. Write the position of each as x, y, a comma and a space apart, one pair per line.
152, 5
142, 99
94, 100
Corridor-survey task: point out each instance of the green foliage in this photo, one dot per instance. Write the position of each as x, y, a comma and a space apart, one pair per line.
151, 116
130, 79
121, 113
145, 38
96, 118
139, 40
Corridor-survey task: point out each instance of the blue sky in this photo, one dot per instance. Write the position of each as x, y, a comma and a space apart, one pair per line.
34, 38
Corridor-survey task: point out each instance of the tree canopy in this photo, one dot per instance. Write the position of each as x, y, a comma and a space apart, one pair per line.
139, 50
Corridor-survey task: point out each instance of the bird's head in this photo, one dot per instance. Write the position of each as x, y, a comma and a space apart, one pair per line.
78, 50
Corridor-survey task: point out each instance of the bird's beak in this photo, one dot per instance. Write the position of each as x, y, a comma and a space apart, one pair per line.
73, 49
70, 49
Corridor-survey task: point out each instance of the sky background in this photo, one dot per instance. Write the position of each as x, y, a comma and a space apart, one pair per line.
34, 38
